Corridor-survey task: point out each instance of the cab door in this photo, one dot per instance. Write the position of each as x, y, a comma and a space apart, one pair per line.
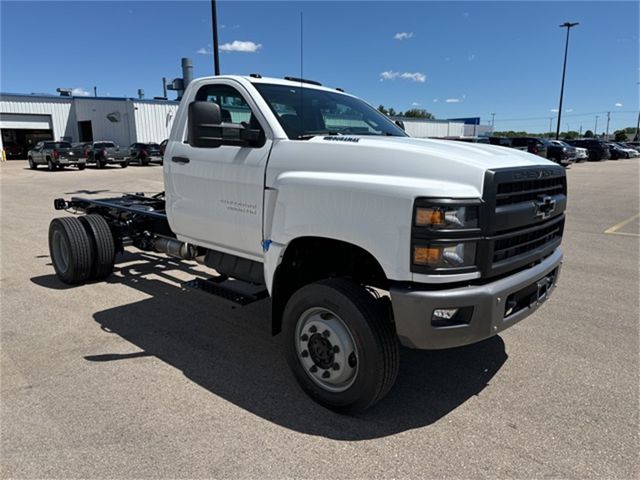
215, 195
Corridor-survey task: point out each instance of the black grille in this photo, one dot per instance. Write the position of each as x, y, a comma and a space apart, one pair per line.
522, 243
521, 191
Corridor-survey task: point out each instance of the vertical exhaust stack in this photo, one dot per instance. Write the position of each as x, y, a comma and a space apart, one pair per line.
187, 72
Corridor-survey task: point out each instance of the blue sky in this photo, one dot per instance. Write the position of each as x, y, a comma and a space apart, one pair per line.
455, 59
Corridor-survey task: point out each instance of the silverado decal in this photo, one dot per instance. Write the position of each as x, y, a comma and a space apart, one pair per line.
342, 139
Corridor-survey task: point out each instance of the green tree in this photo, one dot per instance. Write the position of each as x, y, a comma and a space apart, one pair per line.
392, 112
418, 113
620, 135
570, 135
383, 110
588, 134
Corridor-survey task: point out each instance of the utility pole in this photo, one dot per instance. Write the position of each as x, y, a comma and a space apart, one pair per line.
580, 131
637, 137
608, 118
595, 130
214, 29
493, 120
568, 26
550, 127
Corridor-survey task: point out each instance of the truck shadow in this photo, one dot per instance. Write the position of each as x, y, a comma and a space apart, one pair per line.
229, 351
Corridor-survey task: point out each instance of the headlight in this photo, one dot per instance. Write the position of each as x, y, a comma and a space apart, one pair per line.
455, 255
444, 217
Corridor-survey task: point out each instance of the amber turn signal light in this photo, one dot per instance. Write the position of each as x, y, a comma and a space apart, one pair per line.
427, 255
429, 216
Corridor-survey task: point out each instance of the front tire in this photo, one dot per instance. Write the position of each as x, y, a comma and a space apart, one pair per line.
81, 166
32, 165
71, 250
340, 345
124, 164
50, 165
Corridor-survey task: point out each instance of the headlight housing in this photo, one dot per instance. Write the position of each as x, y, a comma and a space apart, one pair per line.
453, 255
445, 235
445, 217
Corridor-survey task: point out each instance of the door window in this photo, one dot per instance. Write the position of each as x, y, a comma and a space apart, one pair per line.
233, 107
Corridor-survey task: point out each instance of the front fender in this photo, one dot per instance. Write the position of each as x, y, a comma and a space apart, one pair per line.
372, 212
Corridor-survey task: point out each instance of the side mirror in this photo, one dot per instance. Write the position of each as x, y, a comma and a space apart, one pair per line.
206, 129
400, 123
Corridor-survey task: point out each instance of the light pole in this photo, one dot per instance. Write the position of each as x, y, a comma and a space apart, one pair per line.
595, 130
214, 29
493, 120
568, 26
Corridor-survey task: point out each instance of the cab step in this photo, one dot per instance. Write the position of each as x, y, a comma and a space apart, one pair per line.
213, 286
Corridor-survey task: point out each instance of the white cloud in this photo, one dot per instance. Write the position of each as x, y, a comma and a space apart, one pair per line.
413, 76
79, 92
453, 100
241, 46
569, 110
415, 104
554, 110
403, 35
471, 57
435, 100
389, 75
204, 51
618, 104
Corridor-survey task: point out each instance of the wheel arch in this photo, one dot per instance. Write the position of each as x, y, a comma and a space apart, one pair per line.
309, 259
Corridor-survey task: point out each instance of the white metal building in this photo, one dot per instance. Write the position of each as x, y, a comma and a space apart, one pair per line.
27, 119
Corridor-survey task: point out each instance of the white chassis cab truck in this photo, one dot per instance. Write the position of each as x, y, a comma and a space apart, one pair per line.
363, 237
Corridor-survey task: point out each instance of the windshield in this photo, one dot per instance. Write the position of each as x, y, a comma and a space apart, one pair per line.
105, 145
57, 145
305, 112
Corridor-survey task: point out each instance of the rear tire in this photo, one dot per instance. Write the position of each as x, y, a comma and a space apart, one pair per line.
32, 165
103, 244
71, 250
340, 345
124, 164
100, 163
81, 166
144, 161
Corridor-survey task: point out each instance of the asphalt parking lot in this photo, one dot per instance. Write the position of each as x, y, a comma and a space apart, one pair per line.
138, 378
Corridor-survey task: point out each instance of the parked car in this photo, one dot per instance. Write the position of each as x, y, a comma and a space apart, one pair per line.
561, 152
630, 152
501, 141
55, 155
106, 152
145, 153
582, 154
13, 151
537, 146
634, 146
597, 149
616, 152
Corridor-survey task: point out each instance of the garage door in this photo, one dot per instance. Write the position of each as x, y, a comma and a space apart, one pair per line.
24, 121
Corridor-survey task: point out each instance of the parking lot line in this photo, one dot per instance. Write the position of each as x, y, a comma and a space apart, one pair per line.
614, 230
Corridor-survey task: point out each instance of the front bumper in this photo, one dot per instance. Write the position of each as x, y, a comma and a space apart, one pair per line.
413, 308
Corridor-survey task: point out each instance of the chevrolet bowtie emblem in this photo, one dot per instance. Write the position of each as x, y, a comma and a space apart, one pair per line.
545, 206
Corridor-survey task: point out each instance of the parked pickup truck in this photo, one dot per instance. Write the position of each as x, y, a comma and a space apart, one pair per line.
106, 153
364, 238
145, 153
55, 155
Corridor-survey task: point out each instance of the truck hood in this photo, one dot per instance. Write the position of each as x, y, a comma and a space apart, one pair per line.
416, 166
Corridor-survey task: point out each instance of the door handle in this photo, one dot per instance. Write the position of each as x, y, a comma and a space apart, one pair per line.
181, 160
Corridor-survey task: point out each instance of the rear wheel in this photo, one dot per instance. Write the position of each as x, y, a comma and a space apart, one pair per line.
124, 164
100, 163
32, 165
103, 244
144, 161
81, 166
340, 345
71, 250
